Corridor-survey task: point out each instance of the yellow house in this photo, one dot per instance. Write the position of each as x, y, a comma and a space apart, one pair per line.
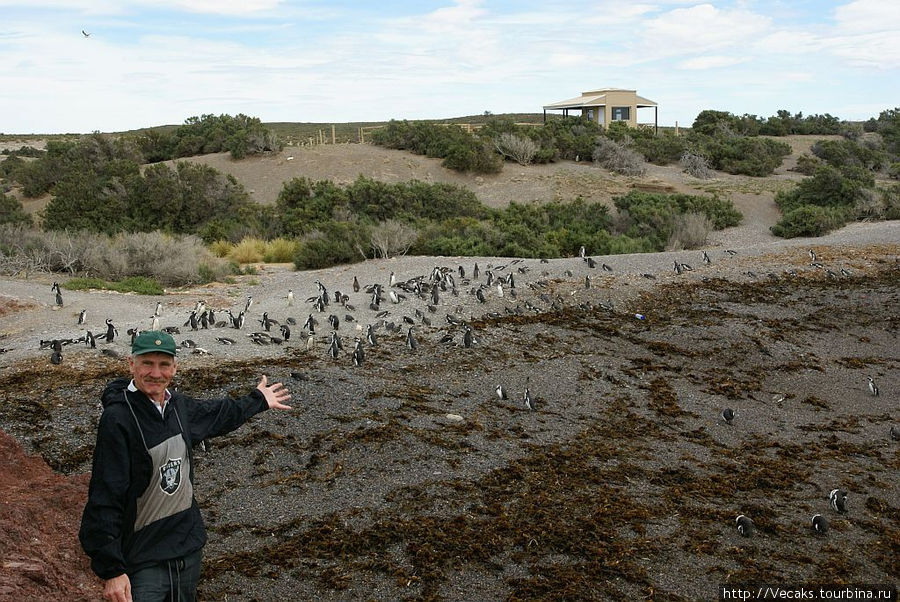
606, 105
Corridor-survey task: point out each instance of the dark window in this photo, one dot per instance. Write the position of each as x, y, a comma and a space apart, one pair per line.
621, 113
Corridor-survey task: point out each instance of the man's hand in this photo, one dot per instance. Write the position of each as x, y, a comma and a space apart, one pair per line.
275, 394
117, 589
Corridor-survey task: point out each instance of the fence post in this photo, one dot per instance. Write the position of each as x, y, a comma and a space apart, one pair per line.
333, 140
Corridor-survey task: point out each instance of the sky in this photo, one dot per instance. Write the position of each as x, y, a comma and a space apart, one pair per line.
147, 63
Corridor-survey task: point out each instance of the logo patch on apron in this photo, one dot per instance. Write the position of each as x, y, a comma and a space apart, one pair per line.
170, 476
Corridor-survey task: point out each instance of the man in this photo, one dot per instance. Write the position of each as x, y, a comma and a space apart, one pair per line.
141, 525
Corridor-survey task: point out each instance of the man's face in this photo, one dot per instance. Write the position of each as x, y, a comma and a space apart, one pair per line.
152, 373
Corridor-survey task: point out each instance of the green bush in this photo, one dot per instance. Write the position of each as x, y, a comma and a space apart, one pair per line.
847, 153
460, 150
807, 164
894, 171
827, 187
334, 243
810, 220
662, 150
742, 155
133, 284
655, 216
12, 212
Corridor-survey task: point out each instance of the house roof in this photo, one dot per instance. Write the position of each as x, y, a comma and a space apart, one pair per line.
596, 98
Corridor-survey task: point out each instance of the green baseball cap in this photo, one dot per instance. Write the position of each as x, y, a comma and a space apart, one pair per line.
153, 341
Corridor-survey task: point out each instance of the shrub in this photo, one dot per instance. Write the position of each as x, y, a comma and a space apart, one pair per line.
742, 155
663, 149
460, 150
336, 243
696, 166
894, 171
807, 164
890, 200
133, 284
616, 157
280, 250
689, 231
249, 250
391, 238
810, 220
12, 212
654, 216
221, 248
519, 149
846, 153
828, 187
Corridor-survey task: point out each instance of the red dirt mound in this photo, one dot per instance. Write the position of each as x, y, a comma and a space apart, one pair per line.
40, 557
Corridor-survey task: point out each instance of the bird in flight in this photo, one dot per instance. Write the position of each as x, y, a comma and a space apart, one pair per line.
85, 34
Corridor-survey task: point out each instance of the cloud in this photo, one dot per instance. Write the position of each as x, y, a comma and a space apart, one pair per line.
710, 62
868, 16
702, 28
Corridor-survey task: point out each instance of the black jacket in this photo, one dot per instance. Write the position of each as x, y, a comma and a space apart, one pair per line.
141, 509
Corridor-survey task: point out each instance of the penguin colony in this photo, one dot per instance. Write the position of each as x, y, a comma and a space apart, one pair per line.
388, 310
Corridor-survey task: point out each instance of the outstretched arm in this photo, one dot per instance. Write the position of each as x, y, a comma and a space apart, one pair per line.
275, 394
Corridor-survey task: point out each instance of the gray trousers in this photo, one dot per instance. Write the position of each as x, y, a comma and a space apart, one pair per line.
172, 581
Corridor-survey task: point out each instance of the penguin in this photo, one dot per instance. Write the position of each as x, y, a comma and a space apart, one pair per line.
591, 263
392, 280
158, 311
812, 255
838, 499
59, 299
265, 322
501, 392
204, 320
500, 289
335, 322
677, 268
90, 340
154, 322
728, 415
333, 349
895, 433
310, 324
526, 397
606, 268
290, 297
359, 355
370, 336
394, 298
744, 525
435, 296
873, 388
462, 272
706, 258
490, 277
82, 316
285, 332
111, 331
248, 304
239, 321
475, 272
581, 252
226, 340
355, 285
819, 523
411, 340
468, 337
480, 296
587, 282
56, 358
